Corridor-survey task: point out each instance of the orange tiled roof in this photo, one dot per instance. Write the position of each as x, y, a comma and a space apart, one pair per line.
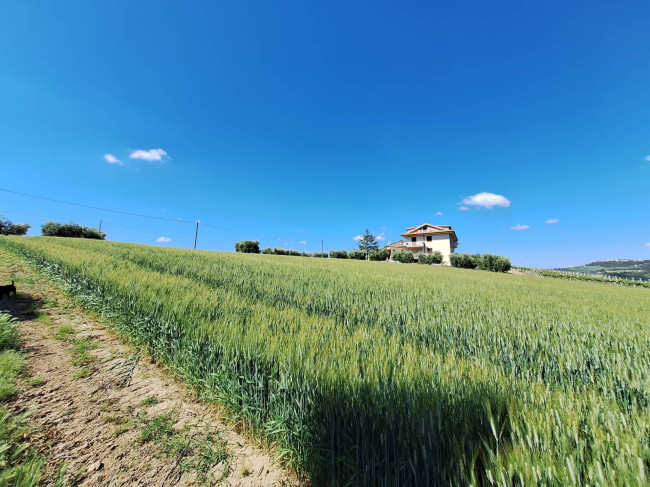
428, 229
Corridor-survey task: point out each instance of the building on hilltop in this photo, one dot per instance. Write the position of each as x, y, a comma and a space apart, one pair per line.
427, 238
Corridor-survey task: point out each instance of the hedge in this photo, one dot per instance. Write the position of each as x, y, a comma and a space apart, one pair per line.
338, 254
357, 255
488, 262
73, 230
403, 256
379, 254
432, 258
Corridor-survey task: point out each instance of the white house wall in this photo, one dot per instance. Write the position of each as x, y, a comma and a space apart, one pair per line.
441, 243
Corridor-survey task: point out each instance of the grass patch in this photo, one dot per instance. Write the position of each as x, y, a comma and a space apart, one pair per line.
64, 332
44, 318
20, 465
82, 373
123, 428
150, 401
8, 333
115, 419
159, 427
36, 381
81, 351
11, 362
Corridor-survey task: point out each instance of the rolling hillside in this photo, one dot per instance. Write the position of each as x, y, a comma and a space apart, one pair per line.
627, 268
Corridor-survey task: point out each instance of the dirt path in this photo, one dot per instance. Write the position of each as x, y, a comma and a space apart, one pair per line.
115, 417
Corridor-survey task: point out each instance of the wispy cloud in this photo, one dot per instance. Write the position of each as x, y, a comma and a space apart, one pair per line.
648, 244
384, 228
647, 158
302, 242
111, 159
463, 208
163, 240
150, 155
357, 238
486, 200
552, 221
439, 213
381, 236
520, 227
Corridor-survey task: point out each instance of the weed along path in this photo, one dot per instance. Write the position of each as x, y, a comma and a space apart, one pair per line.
107, 412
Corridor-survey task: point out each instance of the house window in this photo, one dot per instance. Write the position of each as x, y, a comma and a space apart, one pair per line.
428, 238
413, 239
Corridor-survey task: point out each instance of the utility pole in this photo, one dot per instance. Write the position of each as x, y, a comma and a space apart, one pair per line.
100, 225
196, 234
321, 248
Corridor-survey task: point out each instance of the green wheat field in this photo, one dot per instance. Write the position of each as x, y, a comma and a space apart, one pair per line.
374, 373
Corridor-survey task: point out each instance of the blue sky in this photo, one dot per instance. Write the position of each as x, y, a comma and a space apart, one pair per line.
296, 122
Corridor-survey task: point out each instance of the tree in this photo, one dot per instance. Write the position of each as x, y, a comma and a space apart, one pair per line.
368, 242
7, 227
248, 246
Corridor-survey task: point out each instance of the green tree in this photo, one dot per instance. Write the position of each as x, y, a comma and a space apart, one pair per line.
7, 227
368, 242
248, 246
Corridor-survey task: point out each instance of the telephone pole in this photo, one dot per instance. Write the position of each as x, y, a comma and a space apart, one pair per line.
196, 234
100, 225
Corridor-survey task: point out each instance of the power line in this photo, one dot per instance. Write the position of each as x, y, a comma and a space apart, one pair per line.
95, 207
144, 216
142, 231
44, 216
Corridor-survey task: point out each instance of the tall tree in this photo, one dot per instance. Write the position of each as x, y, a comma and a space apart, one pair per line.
368, 242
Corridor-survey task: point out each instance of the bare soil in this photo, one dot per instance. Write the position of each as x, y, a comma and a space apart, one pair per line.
109, 412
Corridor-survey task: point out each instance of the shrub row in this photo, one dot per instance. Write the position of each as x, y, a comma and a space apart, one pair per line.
379, 254
54, 229
403, 256
357, 255
432, 258
487, 262
281, 251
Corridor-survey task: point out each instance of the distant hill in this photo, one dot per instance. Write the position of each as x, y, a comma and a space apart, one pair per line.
629, 268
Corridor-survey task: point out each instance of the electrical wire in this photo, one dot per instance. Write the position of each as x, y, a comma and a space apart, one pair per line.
150, 217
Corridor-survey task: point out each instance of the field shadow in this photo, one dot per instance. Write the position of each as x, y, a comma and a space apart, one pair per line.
406, 438
23, 306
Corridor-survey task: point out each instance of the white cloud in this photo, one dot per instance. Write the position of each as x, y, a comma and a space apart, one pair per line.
148, 155
647, 158
357, 238
381, 236
384, 228
111, 159
439, 213
486, 200
648, 244
520, 227
302, 242
552, 221
463, 208
163, 240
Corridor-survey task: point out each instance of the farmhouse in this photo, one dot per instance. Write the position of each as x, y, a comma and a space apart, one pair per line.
427, 238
